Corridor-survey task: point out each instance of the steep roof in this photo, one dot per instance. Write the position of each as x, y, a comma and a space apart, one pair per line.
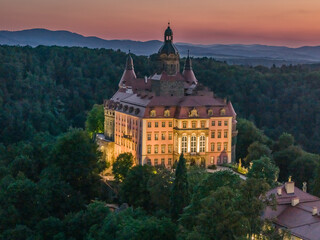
298, 219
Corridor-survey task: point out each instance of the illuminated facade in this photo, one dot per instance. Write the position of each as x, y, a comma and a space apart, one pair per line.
159, 117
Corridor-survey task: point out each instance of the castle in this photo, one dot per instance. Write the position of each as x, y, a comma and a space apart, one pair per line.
157, 118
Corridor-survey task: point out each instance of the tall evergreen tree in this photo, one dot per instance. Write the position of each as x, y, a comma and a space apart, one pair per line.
179, 194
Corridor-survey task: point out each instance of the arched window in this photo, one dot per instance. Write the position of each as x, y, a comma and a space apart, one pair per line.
193, 144
184, 144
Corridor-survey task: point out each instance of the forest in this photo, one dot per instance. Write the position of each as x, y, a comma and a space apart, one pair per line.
50, 166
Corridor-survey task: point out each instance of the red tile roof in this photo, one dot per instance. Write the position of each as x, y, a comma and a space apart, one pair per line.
297, 219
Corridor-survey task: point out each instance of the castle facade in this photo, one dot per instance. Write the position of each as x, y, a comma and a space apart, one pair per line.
157, 118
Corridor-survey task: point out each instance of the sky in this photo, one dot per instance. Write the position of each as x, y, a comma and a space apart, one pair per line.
273, 22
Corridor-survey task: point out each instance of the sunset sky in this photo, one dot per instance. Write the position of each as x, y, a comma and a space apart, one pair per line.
273, 22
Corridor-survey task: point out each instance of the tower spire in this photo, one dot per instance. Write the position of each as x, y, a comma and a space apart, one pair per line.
188, 63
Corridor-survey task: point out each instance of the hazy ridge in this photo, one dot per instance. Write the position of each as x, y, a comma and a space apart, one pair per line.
234, 54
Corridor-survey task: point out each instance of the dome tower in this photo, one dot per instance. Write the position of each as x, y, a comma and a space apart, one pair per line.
168, 54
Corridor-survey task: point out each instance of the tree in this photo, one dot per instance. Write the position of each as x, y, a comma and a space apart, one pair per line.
248, 133
78, 159
263, 168
122, 165
180, 190
134, 188
133, 224
285, 140
209, 184
159, 187
304, 168
219, 217
284, 158
316, 182
95, 120
256, 150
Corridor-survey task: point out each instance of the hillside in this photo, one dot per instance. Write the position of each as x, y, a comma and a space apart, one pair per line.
233, 54
49, 89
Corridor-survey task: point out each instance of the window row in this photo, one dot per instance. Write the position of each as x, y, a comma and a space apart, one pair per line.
194, 124
213, 146
220, 159
156, 148
219, 134
225, 123
161, 161
193, 144
156, 136
156, 124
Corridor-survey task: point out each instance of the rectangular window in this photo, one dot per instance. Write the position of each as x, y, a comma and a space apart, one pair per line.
162, 161
156, 161
149, 136
156, 149
170, 124
212, 160
203, 124
225, 159
225, 133
163, 148
149, 149
170, 161
149, 124
219, 146
226, 123
213, 134
194, 124
212, 147
184, 124
193, 143
170, 136
219, 123
202, 144
163, 136
156, 136
225, 146
156, 124
219, 134
163, 124
170, 148
213, 123
184, 144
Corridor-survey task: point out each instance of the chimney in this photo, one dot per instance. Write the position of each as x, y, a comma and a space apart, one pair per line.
314, 211
304, 188
294, 201
289, 186
279, 191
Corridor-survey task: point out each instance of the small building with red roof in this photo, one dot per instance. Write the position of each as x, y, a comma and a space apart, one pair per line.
297, 211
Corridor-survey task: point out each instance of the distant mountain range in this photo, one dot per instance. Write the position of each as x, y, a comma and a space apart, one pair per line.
233, 54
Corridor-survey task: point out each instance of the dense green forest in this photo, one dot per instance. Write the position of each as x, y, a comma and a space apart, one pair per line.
50, 167
52, 88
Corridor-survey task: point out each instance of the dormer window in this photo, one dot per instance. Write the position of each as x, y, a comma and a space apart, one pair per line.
167, 113
137, 111
125, 108
222, 112
210, 112
152, 113
130, 109
193, 113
